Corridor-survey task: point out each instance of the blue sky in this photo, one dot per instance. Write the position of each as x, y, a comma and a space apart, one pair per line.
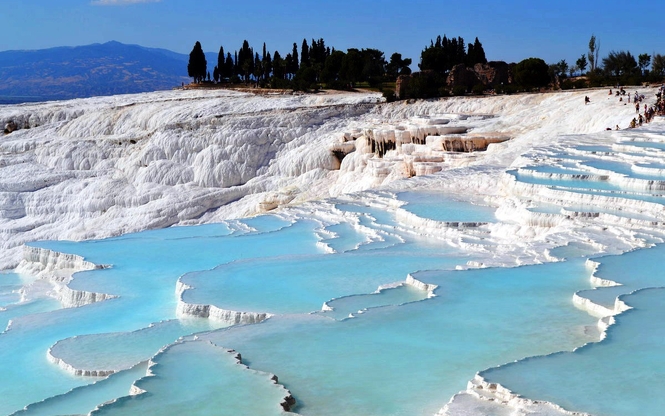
509, 30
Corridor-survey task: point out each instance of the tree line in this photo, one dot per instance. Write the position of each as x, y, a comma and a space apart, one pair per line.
307, 67
618, 67
313, 65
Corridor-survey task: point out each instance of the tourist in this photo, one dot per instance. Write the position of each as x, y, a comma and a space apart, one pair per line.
637, 106
633, 123
587, 100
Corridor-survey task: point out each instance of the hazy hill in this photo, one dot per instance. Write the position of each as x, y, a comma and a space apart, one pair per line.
84, 71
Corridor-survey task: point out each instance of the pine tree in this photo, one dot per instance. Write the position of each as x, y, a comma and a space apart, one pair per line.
397, 66
197, 66
581, 63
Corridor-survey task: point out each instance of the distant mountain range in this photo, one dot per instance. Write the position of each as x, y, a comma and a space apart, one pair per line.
85, 71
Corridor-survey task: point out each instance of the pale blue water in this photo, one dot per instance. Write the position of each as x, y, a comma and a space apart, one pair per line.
657, 196
622, 168
82, 400
276, 266
568, 183
615, 377
10, 283
440, 207
196, 377
560, 170
621, 374
645, 145
572, 250
393, 352
594, 149
352, 306
345, 237
421, 351
144, 274
301, 284
651, 165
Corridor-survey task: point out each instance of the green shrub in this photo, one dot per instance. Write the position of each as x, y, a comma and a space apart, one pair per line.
580, 83
568, 85
459, 90
338, 85
444, 92
532, 73
506, 89
389, 95
478, 89
280, 83
423, 85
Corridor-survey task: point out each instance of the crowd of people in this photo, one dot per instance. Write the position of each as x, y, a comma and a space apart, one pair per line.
660, 101
649, 112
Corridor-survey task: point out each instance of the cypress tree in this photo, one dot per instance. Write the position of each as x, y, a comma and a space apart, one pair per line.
228, 65
278, 66
257, 68
470, 55
197, 66
266, 63
475, 54
249, 64
304, 54
288, 65
294, 58
460, 51
221, 70
479, 52
443, 55
246, 61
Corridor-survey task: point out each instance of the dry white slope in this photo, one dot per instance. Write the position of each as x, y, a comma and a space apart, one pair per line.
101, 167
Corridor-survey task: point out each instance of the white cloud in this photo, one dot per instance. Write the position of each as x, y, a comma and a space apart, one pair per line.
120, 2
